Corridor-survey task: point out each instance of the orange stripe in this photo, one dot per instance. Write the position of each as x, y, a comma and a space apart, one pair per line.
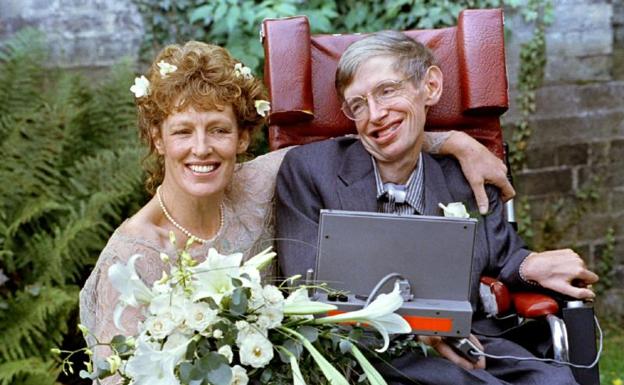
432, 324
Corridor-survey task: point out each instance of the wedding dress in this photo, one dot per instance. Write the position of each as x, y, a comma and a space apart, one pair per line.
247, 228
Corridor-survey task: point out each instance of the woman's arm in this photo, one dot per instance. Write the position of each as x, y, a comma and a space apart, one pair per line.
478, 164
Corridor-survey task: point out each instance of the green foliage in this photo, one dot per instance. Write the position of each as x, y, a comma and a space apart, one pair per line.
70, 174
605, 263
235, 24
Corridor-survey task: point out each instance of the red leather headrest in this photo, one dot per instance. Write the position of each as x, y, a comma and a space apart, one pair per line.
300, 70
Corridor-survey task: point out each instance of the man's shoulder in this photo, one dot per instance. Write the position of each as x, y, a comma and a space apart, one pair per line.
323, 153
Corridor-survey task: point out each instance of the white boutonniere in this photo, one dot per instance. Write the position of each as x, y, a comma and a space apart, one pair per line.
243, 71
165, 68
454, 210
140, 87
262, 107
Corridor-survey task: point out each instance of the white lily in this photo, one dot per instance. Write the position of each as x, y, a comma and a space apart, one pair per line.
132, 291
262, 107
150, 365
379, 314
261, 260
141, 87
298, 303
213, 277
454, 210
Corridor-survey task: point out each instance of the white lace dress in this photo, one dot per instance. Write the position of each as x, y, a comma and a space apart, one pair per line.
247, 228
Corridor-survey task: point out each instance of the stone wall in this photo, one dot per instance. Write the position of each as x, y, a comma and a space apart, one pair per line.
578, 135
577, 143
80, 33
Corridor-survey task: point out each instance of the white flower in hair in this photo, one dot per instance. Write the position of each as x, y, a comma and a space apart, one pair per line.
241, 70
166, 68
262, 107
140, 87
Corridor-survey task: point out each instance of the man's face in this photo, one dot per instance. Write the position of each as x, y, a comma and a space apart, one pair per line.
392, 130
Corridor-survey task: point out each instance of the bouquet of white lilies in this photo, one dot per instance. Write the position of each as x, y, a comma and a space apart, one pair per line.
215, 323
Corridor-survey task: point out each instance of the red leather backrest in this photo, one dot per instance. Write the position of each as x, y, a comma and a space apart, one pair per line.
300, 68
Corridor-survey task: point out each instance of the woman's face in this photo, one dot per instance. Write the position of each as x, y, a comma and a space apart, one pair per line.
200, 148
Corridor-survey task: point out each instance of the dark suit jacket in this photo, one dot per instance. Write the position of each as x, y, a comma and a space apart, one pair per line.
338, 174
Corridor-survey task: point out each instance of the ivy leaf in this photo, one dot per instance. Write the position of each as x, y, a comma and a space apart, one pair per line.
201, 13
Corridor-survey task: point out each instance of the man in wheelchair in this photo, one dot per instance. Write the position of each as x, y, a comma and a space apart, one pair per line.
387, 83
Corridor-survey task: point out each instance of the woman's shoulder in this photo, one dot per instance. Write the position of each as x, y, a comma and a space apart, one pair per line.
255, 179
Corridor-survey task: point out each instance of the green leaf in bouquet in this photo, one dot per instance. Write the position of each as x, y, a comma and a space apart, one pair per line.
119, 343
266, 376
238, 301
237, 282
190, 349
345, 346
294, 347
211, 302
309, 332
215, 369
189, 373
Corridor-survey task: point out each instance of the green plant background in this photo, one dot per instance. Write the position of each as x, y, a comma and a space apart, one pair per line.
72, 160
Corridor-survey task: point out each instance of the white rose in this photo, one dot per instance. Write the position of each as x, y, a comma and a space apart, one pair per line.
239, 376
160, 326
256, 351
226, 351
270, 317
199, 316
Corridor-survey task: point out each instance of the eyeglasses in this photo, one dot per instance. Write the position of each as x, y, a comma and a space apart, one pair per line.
384, 94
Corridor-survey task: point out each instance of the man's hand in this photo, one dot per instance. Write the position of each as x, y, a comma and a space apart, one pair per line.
447, 352
560, 270
480, 167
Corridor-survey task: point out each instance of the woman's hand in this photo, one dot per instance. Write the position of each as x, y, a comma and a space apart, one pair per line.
563, 271
447, 352
479, 165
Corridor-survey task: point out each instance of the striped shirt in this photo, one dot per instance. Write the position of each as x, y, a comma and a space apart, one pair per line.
414, 189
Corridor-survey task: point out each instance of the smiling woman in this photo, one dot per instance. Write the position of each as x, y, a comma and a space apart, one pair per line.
198, 108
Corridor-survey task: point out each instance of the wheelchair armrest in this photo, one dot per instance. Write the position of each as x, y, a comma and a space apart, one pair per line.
534, 305
497, 300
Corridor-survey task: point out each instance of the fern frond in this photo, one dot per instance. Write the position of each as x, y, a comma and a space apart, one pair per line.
28, 371
21, 73
36, 322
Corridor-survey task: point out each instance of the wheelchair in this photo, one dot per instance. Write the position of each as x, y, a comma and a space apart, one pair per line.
299, 73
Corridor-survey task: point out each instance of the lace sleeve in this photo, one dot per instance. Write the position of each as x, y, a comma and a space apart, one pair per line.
98, 297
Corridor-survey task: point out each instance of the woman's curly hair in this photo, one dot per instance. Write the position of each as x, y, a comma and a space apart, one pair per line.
205, 80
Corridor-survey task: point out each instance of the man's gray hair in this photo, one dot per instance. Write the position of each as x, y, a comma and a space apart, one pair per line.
411, 57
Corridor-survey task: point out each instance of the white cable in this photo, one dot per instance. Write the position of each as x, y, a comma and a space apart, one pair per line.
379, 285
477, 352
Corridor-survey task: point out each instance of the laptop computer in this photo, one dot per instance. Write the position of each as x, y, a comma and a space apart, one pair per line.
434, 255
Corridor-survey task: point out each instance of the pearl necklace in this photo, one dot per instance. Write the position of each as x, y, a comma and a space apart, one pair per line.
182, 229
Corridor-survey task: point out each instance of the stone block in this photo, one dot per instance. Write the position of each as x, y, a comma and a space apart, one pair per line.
544, 182
588, 127
541, 157
581, 16
608, 176
572, 155
617, 200
599, 153
616, 151
562, 69
595, 226
579, 43
611, 306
